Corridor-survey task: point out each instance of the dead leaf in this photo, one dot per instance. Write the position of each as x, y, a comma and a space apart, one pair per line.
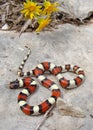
66, 109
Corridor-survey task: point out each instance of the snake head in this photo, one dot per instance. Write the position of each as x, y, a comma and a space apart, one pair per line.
14, 84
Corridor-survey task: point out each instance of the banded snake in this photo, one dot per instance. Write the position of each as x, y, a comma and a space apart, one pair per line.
30, 84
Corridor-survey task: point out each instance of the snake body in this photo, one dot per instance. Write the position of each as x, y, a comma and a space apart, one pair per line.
30, 84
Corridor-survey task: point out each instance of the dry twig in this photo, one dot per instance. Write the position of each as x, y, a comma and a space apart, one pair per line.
46, 115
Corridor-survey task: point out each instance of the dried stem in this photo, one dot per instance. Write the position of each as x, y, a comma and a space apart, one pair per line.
25, 26
46, 115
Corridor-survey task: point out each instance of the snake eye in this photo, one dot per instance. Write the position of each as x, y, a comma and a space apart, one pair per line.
14, 84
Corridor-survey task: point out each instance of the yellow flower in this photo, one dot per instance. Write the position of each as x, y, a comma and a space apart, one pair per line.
49, 7
31, 9
42, 23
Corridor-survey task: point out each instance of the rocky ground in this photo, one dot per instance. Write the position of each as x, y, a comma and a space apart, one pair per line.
67, 43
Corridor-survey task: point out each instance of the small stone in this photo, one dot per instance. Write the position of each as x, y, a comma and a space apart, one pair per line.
5, 27
91, 115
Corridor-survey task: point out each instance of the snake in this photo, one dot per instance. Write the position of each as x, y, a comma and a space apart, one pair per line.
29, 84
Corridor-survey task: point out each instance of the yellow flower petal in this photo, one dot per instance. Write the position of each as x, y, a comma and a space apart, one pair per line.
31, 9
42, 24
31, 16
23, 11
49, 7
26, 14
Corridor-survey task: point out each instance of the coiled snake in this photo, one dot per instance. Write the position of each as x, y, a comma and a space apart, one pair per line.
30, 84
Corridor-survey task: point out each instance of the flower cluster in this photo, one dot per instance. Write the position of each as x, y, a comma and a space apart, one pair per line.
39, 12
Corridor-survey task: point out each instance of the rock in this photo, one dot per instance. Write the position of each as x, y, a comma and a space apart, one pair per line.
69, 44
77, 9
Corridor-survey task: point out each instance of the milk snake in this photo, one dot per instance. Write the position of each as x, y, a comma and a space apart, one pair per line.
30, 85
